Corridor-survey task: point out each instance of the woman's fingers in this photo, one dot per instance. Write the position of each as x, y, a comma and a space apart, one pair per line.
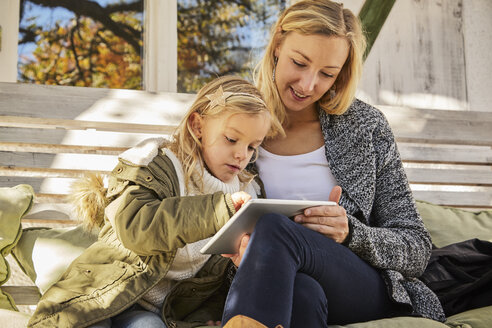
330, 221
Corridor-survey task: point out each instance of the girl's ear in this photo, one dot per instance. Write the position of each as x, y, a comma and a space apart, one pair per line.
196, 121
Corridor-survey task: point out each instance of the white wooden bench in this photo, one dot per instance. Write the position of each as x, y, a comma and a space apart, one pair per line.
50, 135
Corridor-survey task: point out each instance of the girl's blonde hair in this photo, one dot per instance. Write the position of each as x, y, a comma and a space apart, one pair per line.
321, 17
245, 98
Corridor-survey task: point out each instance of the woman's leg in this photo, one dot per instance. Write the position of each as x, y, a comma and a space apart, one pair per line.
280, 248
309, 303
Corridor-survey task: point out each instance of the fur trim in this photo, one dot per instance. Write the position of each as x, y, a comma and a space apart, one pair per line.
144, 152
88, 196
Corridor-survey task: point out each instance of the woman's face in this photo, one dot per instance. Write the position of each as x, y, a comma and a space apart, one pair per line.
307, 67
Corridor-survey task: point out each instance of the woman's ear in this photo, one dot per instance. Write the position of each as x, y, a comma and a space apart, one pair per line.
195, 121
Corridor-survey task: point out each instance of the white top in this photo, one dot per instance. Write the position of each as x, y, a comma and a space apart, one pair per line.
305, 176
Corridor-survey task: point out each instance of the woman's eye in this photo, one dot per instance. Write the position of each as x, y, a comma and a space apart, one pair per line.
298, 63
230, 140
327, 74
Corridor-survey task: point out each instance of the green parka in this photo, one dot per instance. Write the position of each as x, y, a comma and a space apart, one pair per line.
134, 252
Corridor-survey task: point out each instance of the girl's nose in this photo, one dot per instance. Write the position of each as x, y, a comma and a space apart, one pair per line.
241, 153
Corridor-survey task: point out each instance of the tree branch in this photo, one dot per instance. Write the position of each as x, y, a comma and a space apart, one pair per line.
101, 14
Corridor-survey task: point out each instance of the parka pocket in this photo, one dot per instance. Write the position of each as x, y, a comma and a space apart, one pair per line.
93, 279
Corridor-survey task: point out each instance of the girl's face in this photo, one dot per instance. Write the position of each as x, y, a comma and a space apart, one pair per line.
229, 141
307, 67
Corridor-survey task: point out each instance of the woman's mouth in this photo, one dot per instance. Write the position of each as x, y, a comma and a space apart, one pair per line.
297, 95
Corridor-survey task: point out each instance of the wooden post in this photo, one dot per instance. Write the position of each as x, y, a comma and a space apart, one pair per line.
373, 14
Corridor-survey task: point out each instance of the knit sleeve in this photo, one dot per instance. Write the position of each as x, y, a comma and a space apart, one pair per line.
395, 237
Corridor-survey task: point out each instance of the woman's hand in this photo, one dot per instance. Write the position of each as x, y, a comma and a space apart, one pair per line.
239, 198
330, 221
236, 258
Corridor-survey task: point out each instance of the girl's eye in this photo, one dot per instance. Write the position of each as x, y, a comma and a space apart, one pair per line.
230, 140
298, 63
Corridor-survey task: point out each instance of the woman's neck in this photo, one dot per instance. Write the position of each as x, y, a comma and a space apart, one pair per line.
307, 115
302, 134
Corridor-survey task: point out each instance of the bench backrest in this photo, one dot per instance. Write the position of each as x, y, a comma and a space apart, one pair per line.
50, 135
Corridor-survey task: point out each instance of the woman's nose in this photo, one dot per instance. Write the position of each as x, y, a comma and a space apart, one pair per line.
308, 82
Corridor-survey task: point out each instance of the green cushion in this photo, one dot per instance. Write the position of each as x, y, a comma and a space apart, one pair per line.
15, 202
399, 322
476, 318
448, 225
45, 253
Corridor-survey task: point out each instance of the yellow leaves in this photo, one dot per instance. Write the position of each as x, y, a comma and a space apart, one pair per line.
84, 53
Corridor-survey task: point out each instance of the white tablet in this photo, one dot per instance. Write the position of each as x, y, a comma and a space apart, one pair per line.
227, 239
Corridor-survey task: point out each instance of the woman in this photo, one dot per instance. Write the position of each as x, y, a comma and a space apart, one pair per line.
353, 262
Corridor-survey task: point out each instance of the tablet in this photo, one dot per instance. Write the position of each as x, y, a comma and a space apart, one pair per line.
227, 239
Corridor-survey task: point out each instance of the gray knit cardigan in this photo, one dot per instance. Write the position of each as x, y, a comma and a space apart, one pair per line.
386, 228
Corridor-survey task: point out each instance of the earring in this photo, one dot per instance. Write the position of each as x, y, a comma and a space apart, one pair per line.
274, 67
333, 93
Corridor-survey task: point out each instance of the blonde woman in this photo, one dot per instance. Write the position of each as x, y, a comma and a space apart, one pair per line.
166, 200
358, 260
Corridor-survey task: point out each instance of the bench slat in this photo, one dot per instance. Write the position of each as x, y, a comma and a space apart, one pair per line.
52, 123
439, 126
415, 175
45, 172
23, 295
462, 199
449, 176
57, 148
412, 153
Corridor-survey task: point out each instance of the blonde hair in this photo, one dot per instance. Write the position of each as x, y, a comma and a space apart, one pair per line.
245, 99
322, 17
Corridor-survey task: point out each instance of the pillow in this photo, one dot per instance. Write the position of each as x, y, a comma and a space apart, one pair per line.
448, 225
45, 253
476, 318
15, 202
401, 322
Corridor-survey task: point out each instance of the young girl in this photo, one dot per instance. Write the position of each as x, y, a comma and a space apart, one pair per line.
167, 199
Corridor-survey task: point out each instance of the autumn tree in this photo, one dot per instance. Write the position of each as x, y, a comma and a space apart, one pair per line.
98, 47
101, 46
214, 38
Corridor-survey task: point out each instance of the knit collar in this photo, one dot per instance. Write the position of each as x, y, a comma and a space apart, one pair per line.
210, 183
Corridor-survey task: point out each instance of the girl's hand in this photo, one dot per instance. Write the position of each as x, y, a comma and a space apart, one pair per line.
239, 198
212, 323
330, 221
236, 258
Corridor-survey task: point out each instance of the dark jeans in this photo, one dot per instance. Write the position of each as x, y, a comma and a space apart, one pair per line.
296, 277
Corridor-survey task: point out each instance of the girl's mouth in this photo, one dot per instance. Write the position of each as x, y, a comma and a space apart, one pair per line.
234, 167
